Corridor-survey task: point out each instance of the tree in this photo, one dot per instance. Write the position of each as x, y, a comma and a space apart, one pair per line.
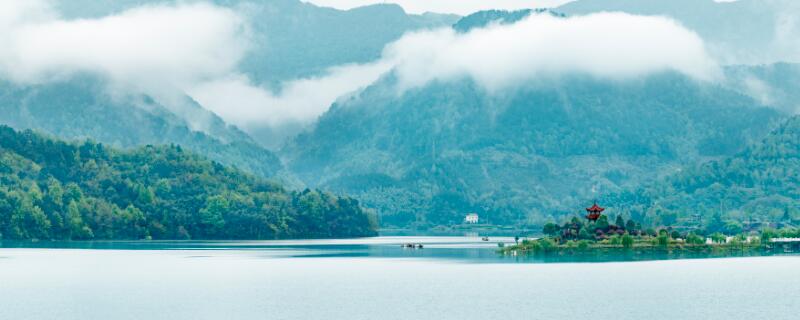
767, 234
693, 238
718, 237
550, 229
733, 227
211, 215
615, 240
716, 223
663, 240
630, 226
583, 234
620, 222
583, 245
50, 189
602, 223
627, 241
30, 221
77, 230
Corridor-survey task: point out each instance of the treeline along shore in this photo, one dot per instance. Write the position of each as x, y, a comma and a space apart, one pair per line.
56, 190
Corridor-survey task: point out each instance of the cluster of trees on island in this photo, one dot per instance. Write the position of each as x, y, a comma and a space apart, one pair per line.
50, 189
581, 234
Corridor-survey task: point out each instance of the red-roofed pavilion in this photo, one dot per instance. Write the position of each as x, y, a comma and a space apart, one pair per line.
593, 212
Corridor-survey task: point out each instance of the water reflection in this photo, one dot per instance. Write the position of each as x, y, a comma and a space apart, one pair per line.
462, 249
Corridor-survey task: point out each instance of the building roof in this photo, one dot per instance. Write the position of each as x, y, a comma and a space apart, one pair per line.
595, 208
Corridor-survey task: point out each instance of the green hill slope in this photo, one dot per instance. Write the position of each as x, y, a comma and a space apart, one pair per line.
435, 153
50, 189
81, 108
761, 184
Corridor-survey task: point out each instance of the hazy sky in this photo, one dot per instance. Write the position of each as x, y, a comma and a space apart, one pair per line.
461, 7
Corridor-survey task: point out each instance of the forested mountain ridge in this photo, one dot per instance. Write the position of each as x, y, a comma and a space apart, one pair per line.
484, 18
522, 156
50, 189
761, 184
82, 108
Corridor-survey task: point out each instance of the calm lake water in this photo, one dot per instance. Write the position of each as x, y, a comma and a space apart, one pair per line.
373, 278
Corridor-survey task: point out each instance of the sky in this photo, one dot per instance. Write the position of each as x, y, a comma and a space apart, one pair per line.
460, 7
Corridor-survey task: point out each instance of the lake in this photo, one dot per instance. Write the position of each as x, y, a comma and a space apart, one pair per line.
374, 278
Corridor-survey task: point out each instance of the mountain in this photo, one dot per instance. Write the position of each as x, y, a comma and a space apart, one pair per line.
434, 153
769, 36
298, 40
293, 39
56, 190
772, 84
760, 184
289, 39
484, 18
83, 108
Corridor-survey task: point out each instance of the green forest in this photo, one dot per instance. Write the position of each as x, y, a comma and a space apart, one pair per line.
518, 157
56, 190
759, 185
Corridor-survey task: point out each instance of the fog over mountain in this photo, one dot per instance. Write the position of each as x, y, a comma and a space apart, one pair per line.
735, 32
518, 115
522, 121
236, 58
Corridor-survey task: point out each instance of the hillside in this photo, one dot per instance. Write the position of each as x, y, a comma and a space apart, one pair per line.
520, 156
50, 189
761, 184
773, 84
82, 108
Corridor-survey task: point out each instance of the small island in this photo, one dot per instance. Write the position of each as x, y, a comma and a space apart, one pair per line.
595, 235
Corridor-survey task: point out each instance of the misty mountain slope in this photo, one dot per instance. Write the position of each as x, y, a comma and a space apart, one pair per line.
777, 85
436, 152
293, 39
82, 108
296, 39
761, 183
769, 36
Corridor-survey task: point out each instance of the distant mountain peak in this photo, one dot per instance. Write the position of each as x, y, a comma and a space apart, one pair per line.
481, 19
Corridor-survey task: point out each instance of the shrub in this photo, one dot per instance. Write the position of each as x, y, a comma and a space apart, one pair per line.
662, 240
694, 239
627, 241
583, 245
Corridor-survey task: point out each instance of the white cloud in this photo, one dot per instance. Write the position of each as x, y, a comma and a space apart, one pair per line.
150, 47
461, 7
166, 51
239, 101
607, 45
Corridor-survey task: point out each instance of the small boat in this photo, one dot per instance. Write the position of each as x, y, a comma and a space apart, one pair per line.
485, 238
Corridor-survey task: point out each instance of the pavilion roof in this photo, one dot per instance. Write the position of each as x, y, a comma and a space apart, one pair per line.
595, 208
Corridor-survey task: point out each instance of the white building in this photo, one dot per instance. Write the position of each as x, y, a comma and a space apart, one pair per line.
471, 218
